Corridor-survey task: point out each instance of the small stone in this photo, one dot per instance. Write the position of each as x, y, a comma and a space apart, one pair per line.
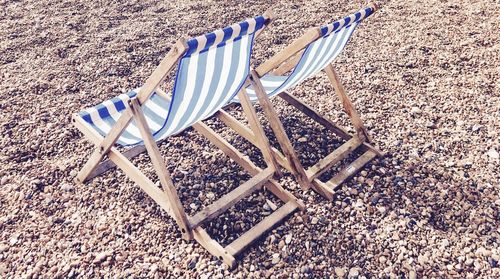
102, 256
469, 262
276, 258
353, 272
4, 248
67, 187
288, 238
382, 259
476, 127
281, 244
210, 195
430, 125
492, 153
302, 139
412, 274
271, 205
415, 110
481, 251
4, 180
422, 259
193, 206
340, 272
153, 268
13, 241
314, 220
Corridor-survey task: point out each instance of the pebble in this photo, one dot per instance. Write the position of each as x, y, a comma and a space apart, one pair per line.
4, 180
67, 187
276, 258
481, 251
492, 153
353, 272
288, 238
4, 248
340, 272
415, 110
412, 274
99, 258
314, 220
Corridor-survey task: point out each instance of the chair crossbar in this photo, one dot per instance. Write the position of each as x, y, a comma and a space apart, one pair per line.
241, 243
218, 207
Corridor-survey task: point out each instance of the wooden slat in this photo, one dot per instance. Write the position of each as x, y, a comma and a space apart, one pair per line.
310, 36
288, 65
331, 159
279, 132
213, 247
108, 164
260, 136
161, 169
346, 103
327, 123
262, 227
218, 207
162, 70
350, 170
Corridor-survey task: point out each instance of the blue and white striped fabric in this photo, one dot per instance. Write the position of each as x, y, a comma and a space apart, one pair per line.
316, 56
210, 73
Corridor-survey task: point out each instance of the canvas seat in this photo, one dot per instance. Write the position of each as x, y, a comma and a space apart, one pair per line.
210, 71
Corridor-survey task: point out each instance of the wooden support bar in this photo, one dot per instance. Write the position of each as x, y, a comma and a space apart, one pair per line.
262, 227
346, 103
350, 170
279, 131
331, 159
288, 65
218, 207
108, 164
161, 169
213, 247
258, 131
310, 36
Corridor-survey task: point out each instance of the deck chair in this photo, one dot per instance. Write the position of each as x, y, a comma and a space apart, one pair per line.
211, 70
305, 57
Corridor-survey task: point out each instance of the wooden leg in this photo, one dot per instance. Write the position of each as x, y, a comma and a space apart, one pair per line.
262, 141
161, 170
346, 103
280, 133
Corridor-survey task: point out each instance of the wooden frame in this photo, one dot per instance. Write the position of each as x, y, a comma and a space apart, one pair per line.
166, 196
280, 64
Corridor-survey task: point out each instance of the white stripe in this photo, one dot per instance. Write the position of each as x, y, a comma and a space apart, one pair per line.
202, 41
236, 31
225, 77
188, 92
251, 25
202, 94
132, 129
238, 77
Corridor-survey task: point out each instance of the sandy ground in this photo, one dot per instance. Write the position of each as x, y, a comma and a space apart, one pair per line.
424, 77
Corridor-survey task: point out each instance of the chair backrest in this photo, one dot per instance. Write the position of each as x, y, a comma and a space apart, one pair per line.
210, 73
322, 50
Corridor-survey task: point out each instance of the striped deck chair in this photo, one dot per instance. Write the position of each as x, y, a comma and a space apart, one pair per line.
305, 57
211, 70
